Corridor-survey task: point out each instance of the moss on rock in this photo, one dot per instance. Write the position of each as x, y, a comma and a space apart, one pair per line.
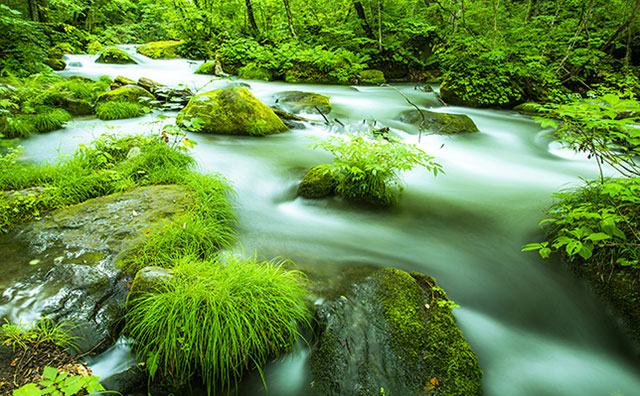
161, 49
442, 123
529, 108
230, 111
149, 280
127, 93
55, 64
114, 55
319, 182
255, 72
60, 50
298, 102
121, 81
94, 47
372, 77
207, 68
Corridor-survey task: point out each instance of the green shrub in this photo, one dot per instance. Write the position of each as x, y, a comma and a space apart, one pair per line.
218, 318
55, 384
368, 169
16, 126
119, 110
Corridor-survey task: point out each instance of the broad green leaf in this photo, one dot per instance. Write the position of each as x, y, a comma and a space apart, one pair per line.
50, 373
27, 390
598, 236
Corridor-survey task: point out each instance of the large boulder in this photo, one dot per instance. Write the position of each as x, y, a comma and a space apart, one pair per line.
393, 331
255, 72
114, 55
65, 263
442, 123
303, 102
230, 111
55, 64
121, 81
127, 93
161, 49
371, 77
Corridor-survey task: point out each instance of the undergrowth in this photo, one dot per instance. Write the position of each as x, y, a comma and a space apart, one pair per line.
45, 330
119, 110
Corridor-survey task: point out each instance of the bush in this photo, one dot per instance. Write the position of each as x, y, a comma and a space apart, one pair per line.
119, 110
218, 319
368, 169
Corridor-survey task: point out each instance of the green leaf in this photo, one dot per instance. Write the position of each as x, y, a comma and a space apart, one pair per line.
50, 373
598, 236
27, 390
573, 247
585, 252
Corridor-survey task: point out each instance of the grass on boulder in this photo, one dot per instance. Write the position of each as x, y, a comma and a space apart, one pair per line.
218, 318
119, 110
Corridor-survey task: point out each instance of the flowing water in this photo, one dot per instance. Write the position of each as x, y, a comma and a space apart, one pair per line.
535, 328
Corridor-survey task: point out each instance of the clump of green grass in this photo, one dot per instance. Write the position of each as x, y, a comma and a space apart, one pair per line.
219, 318
49, 119
119, 110
15, 126
43, 331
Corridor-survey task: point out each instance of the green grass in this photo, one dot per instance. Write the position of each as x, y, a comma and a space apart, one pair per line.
218, 318
49, 119
45, 330
119, 110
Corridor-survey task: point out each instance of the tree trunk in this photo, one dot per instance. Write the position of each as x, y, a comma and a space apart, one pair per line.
363, 19
496, 4
250, 17
33, 10
380, 25
290, 19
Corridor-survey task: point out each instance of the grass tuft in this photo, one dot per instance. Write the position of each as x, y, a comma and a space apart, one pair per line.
218, 318
44, 330
119, 110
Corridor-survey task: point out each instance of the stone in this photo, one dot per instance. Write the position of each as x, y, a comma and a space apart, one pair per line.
395, 331
127, 93
371, 77
230, 111
161, 49
441, 123
55, 64
121, 81
149, 280
114, 55
319, 182
255, 72
303, 102
149, 84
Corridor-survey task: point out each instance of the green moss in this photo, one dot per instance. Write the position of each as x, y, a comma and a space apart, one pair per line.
127, 93
529, 108
442, 123
160, 49
114, 55
372, 77
60, 50
55, 64
207, 68
233, 111
119, 110
319, 182
255, 72
94, 47
298, 101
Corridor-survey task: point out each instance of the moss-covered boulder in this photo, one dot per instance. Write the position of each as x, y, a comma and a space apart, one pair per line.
210, 68
115, 55
303, 102
395, 331
371, 77
149, 280
121, 81
127, 93
161, 49
94, 47
319, 182
255, 72
60, 50
478, 90
230, 111
55, 64
529, 108
442, 123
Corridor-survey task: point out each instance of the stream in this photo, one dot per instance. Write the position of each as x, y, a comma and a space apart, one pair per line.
536, 329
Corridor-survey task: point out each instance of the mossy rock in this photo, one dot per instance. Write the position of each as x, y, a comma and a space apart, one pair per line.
255, 72
128, 93
471, 92
400, 335
161, 49
372, 77
55, 64
115, 55
319, 182
299, 102
230, 111
207, 68
529, 108
121, 81
60, 50
77, 107
94, 47
442, 123
149, 280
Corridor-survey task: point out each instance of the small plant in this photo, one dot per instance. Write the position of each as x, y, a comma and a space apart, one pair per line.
368, 169
62, 384
219, 318
45, 330
49, 119
120, 110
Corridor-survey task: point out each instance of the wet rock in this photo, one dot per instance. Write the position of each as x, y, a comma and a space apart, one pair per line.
147, 280
372, 77
126, 382
395, 331
175, 98
127, 93
529, 108
77, 279
55, 64
149, 84
114, 55
307, 102
255, 72
441, 123
121, 81
230, 111
319, 182
161, 49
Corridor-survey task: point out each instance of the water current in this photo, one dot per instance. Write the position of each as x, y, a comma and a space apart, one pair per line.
535, 328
